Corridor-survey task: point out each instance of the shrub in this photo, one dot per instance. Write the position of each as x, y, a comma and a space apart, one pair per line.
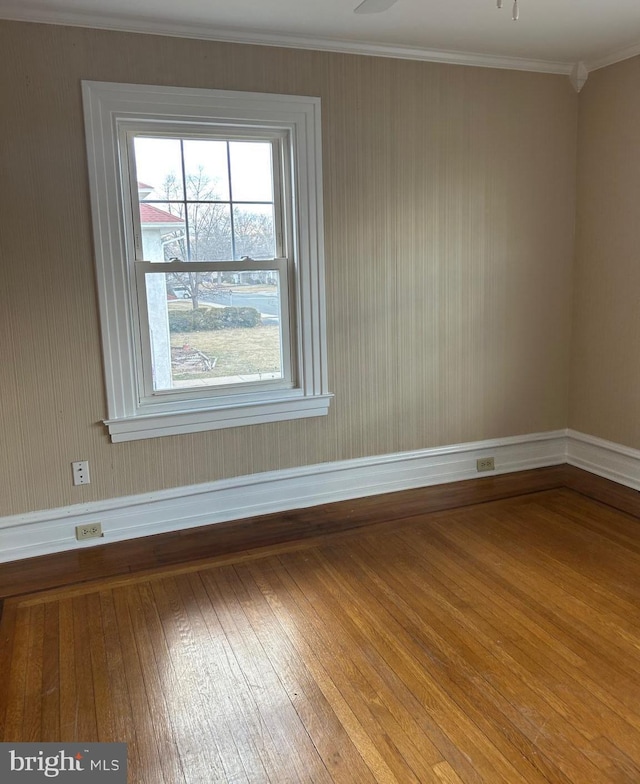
212, 318
181, 320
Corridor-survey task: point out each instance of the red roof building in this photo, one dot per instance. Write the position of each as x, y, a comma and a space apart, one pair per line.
150, 215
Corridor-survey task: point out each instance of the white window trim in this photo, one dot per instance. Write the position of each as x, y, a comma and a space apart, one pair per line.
107, 106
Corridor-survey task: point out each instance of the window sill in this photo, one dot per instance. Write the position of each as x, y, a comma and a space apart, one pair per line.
135, 428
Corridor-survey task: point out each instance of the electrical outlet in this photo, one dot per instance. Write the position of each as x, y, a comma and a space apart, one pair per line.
486, 464
89, 531
81, 472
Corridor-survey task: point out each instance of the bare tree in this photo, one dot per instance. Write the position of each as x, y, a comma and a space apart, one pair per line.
211, 233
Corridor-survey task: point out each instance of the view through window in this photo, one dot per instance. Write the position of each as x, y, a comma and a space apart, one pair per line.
213, 201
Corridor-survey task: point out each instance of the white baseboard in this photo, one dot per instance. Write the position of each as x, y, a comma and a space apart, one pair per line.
605, 458
53, 530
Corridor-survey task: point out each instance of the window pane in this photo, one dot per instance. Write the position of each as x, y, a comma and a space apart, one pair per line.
209, 232
163, 231
159, 168
253, 226
251, 173
233, 336
206, 170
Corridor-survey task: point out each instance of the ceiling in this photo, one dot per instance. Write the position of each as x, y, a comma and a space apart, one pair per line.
551, 35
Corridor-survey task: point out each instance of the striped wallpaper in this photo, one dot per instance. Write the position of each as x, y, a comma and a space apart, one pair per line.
449, 219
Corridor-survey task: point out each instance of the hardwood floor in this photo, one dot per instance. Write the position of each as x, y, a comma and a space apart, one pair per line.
150, 552
495, 643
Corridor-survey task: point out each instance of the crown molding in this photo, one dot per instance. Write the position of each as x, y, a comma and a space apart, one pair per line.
615, 57
579, 76
257, 38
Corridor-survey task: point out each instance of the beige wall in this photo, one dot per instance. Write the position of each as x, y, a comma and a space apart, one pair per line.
449, 204
605, 379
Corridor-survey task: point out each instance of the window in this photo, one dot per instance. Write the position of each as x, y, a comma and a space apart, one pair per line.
200, 204
207, 219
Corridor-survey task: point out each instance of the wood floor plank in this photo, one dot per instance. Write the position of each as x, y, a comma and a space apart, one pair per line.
193, 711
392, 730
265, 634
569, 552
208, 674
105, 724
50, 697
319, 666
570, 635
502, 683
480, 666
32, 719
148, 768
7, 643
156, 686
592, 630
69, 702
431, 680
422, 703
446, 773
124, 726
15, 682
85, 724
490, 644
239, 709
588, 703
288, 740
618, 761
321, 723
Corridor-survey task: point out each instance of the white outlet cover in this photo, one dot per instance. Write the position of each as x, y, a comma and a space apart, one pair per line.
80, 470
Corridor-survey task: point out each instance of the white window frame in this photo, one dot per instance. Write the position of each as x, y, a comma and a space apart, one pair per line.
110, 110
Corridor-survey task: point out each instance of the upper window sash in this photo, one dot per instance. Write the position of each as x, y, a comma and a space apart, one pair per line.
280, 162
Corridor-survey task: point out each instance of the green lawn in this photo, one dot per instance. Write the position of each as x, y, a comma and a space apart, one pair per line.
238, 351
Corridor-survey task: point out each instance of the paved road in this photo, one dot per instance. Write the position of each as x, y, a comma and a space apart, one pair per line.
265, 303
